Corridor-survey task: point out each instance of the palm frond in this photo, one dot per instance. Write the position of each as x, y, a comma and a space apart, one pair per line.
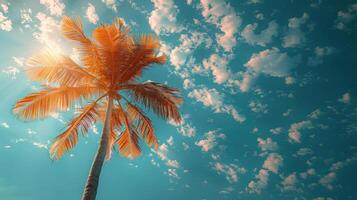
143, 124
141, 57
128, 141
114, 46
53, 68
43, 103
80, 124
73, 29
160, 98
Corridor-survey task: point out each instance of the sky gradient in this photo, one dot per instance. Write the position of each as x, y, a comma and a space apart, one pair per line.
269, 110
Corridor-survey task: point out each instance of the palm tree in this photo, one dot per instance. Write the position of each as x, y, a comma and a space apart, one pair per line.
107, 89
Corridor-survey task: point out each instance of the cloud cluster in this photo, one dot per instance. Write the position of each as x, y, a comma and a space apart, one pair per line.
271, 164
295, 36
230, 171
345, 18
56, 7
91, 14
210, 141
163, 18
295, 130
264, 37
267, 144
5, 22
270, 62
320, 53
189, 42
212, 98
110, 4
223, 16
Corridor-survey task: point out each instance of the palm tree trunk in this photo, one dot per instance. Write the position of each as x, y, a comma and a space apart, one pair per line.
90, 190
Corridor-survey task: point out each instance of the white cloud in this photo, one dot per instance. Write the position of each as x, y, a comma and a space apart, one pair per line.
264, 37
270, 62
5, 125
170, 141
267, 145
25, 15
258, 107
163, 18
56, 7
11, 71
48, 32
5, 7
5, 23
110, 4
57, 116
295, 36
187, 130
229, 27
327, 180
173, 163
211, 98
309, 172
341, 164
261, 182
173, 173
345, 18
276, 130
273, 162
289, 80
210, 141
187, 84
189, 42
320, 53
289, 183
91, 14
295, 128
223, 16
229, 170
287, 113
162, 151
218, 66
346, 98
315, 114
40, 145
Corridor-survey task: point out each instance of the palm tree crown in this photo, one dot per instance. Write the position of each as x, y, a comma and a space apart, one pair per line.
111, 64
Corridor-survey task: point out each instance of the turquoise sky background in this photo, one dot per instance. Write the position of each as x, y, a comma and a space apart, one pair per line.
269, 109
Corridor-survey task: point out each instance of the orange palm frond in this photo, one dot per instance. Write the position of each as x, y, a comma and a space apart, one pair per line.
162, 99
42, 104
141, 57
52, 68
143, 125
80, 124
128, 141
73, 29
114, 45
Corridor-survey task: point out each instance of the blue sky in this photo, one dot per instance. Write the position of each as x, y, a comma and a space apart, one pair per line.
269, 109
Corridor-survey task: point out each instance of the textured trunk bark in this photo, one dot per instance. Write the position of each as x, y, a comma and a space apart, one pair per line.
90, 190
